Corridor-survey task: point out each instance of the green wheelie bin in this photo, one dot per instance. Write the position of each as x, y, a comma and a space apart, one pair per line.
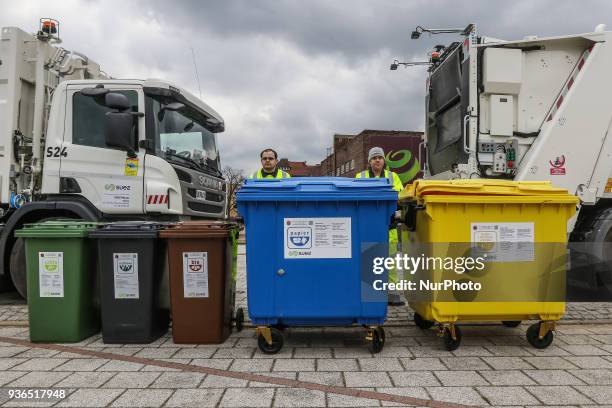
62, 280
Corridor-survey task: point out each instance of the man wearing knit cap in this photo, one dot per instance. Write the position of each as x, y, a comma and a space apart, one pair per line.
377, 169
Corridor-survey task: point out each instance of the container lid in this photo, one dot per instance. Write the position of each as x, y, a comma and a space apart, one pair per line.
57, 228
127, 229
317, 189
484, 187
198, 229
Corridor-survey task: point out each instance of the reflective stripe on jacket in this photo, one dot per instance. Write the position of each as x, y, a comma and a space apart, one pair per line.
393, 178
279, 174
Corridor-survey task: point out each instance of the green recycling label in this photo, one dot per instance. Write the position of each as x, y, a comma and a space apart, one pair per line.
51, 274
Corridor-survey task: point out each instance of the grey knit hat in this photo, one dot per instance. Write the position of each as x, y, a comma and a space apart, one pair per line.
374, 152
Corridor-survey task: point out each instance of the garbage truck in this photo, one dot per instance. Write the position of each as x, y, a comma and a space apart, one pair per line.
77, 143
528, 109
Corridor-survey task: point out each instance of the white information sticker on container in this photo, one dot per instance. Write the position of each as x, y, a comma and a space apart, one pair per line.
51, 274
195, 274
313, 238
504, 241
125, 270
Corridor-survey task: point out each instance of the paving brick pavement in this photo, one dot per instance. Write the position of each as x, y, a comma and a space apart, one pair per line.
495, 366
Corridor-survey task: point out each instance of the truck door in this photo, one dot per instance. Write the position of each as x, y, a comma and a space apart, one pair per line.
110, 180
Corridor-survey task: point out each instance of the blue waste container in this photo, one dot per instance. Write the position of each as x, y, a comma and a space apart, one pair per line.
305, 240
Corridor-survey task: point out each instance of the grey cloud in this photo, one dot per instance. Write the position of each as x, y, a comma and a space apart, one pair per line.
290, 73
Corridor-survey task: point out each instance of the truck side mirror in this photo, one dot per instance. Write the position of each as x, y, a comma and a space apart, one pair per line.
118, 131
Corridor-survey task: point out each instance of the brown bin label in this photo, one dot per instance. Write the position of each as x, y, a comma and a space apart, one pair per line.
195, 274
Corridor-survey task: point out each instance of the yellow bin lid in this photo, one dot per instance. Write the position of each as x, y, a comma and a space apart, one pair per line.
482, 187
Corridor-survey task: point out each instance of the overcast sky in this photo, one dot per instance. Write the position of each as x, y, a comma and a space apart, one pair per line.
290, 74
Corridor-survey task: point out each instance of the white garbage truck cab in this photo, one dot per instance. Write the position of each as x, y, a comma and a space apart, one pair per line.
76, 143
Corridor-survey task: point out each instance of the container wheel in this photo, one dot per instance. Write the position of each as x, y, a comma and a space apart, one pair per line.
239, 319
421, 322
277, 342
511, 323
382, 335
450, 343
533, 337
378, 340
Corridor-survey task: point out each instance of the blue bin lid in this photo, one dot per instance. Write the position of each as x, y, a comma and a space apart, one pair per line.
317, 189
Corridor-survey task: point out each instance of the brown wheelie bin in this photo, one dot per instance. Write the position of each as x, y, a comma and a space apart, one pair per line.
202, 288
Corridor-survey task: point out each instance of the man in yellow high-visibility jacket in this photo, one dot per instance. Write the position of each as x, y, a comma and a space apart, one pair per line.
269, 166
376, 169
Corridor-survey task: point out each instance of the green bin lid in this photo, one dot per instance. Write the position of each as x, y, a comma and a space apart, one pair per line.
57, 228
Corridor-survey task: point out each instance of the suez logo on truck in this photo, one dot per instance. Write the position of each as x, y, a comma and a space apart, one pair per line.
117, 187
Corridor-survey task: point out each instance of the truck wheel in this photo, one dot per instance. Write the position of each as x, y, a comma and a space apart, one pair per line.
18, 267
596, 261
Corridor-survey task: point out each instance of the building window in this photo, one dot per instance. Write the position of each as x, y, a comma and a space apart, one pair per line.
338, 171
352, 164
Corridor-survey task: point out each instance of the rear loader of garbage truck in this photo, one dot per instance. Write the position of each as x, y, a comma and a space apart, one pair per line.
527, 110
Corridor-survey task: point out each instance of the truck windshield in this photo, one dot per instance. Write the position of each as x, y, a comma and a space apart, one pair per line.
182, 137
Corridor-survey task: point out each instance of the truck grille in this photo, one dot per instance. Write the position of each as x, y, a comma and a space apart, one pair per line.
206, 208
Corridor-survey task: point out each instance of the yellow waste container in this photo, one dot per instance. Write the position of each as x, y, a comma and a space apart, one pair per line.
518, 230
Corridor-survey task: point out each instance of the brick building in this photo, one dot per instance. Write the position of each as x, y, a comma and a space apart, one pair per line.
299, 169
350, 153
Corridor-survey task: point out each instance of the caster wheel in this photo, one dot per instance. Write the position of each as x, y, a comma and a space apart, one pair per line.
378, 340
277, 342
533, 337
421, 322
449, 343
239, 319
511, 323
382, 335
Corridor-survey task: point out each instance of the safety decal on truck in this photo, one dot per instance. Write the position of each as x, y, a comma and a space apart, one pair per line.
608, 188
125, 273
157, 199
557, 166
51, 274
131, 167
504, 241
317, 238
195, 274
